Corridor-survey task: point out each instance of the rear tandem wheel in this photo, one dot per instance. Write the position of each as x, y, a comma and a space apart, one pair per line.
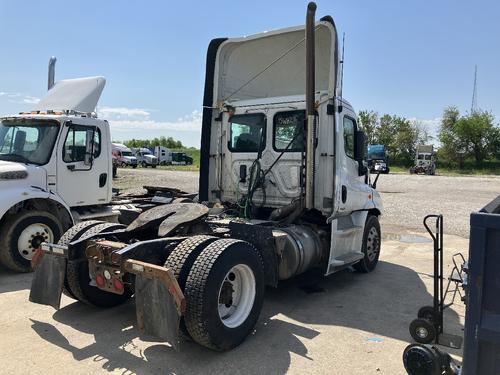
224, 294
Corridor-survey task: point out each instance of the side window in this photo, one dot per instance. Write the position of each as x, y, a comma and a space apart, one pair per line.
247, 132
349, 136
76, 139
288, 131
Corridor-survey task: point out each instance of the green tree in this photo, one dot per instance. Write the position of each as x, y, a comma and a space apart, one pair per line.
477, 132
473, 135
368, 121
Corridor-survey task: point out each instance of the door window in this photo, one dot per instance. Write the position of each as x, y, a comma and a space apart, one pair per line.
288, 131
248, 132
76, 140
349, 126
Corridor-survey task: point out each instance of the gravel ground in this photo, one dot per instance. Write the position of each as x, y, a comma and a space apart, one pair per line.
407, 198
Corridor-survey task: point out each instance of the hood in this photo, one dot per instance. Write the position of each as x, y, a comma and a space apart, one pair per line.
150, 157
272, 64
29, 174
131, 158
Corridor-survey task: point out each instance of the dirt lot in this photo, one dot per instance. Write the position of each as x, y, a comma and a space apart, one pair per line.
345, 324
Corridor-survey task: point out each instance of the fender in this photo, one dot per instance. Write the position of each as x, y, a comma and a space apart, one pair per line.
13, 196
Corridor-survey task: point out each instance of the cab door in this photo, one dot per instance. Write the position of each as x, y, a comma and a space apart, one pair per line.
354, 192
80, 183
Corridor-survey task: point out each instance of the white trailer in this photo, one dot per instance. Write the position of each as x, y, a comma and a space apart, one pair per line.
163, 154
276, 200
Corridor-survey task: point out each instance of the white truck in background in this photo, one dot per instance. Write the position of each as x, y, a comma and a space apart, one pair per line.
145, 157
55, 170
124, 156
425, 162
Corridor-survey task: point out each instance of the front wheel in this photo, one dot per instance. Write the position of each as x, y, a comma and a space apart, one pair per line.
371, 245
224, 293
22, 235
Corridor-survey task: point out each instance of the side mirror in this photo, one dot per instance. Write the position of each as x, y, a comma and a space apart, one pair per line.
359, 151
89, 148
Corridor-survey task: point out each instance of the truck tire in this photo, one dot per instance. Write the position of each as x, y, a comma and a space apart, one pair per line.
181, 260
79, 280
224, 294
22, 234
371, 245
72, 234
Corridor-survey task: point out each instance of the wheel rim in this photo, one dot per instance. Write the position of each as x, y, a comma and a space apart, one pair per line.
32, 237
236, 295
372, 244
422, 332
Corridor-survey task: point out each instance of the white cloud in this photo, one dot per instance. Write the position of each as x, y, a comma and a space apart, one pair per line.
19, 97
190, 122
31, 99
119, 113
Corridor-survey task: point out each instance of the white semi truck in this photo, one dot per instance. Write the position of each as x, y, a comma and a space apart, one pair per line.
55, 170
283, 189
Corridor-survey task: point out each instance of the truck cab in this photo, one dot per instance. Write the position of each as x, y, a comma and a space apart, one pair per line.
424, 160
124, 156
145, 157
283, 189
377, 159
46, 156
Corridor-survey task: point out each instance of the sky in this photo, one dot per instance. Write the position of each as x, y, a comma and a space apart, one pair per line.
404, 57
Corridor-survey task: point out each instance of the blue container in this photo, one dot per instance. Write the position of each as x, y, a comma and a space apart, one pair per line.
482, 319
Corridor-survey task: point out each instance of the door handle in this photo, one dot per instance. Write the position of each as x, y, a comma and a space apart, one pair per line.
344, 193
103, 178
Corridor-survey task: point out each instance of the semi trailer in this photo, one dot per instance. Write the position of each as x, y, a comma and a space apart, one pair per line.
283, 189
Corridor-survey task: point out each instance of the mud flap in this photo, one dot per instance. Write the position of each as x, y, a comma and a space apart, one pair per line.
159, 301
48, 280
156, 312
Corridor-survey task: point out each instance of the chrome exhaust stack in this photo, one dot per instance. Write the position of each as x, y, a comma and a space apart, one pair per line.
310, 110
52, 72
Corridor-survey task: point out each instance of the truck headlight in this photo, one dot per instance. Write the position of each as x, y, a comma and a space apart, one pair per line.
13, 175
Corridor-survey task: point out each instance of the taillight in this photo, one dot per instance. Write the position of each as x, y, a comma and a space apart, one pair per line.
99, 280
118, 285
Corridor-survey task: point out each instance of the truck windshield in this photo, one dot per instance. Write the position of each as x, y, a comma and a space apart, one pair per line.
126, 153
28, 141
376, 155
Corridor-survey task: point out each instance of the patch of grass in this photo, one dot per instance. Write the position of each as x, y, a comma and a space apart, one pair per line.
444, 171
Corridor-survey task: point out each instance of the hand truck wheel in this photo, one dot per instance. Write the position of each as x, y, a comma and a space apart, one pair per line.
422, 331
